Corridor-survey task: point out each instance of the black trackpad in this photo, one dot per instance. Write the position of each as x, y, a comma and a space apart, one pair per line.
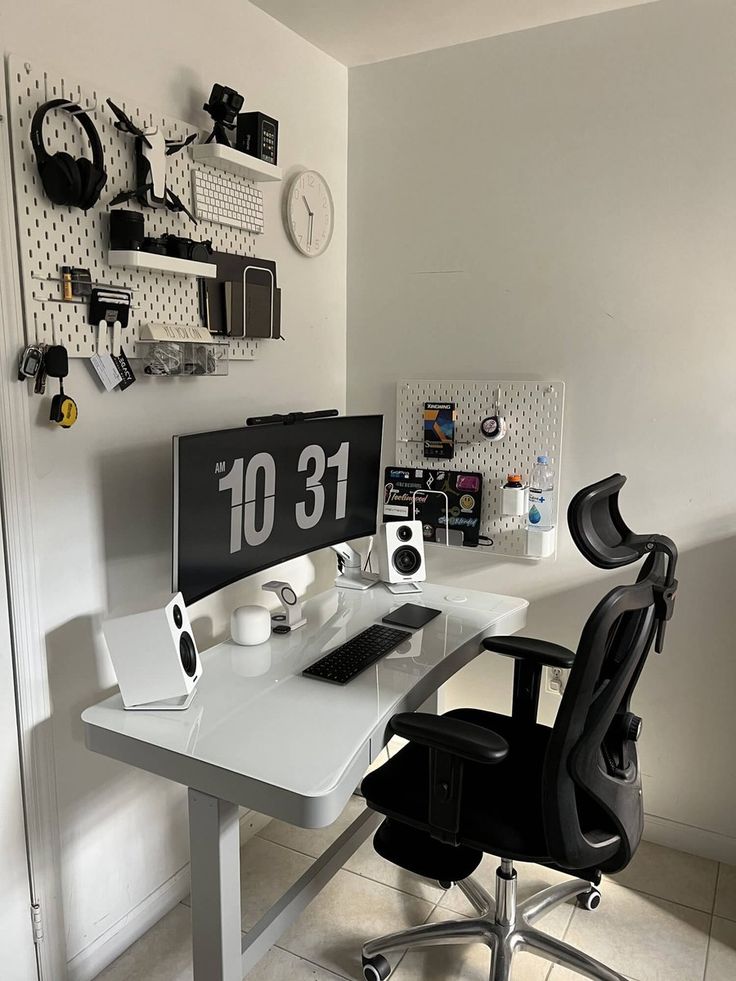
412, 616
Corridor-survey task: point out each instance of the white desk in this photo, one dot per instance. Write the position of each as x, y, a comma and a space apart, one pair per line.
260, 735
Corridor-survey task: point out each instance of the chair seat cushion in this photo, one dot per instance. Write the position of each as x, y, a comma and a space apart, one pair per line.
501, 809
419, 853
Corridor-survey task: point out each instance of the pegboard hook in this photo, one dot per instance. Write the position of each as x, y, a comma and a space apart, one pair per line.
78, 109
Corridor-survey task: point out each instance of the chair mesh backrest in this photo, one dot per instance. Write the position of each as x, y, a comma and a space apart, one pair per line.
594, 813
593, 806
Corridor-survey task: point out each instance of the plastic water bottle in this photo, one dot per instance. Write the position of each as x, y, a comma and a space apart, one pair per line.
542, 495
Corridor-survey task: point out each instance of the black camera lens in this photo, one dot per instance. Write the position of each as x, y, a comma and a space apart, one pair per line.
407, 560
404, 533
188, 654
178, 618
200, 251
126, 230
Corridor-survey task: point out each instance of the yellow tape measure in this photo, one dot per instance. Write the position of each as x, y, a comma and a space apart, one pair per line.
64, 411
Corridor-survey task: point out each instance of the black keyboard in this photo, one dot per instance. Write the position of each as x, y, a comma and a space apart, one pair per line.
342, 664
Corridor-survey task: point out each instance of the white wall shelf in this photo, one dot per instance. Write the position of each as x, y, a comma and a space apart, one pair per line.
235, 162
133, 259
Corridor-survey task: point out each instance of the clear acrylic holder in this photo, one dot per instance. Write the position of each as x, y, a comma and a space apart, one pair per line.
172, 359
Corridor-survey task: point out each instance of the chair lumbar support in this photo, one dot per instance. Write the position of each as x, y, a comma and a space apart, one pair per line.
504, 925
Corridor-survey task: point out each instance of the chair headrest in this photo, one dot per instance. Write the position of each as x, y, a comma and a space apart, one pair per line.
604, 538
597, 528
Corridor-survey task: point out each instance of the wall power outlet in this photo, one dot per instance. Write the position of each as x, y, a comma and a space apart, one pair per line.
555, 679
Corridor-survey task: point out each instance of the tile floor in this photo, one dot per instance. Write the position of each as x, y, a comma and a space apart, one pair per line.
668, 917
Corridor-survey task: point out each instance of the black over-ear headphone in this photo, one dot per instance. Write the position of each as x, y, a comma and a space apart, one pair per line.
79, 182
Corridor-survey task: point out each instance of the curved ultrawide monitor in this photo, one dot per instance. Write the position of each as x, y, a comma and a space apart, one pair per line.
247, 499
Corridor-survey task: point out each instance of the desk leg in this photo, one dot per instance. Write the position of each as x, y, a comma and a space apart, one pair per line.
214, 839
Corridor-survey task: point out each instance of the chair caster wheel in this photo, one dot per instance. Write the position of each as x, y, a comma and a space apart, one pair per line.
445, 884
376, 968
590, 899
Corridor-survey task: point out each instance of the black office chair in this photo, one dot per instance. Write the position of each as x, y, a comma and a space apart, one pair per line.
568, 797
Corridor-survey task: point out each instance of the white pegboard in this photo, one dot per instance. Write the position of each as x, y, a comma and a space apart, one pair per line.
52, 236
533, 412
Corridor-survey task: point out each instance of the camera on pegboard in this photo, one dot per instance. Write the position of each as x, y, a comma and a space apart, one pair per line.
223, 105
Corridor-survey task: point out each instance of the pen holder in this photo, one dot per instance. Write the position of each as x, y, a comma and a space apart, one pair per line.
514, 501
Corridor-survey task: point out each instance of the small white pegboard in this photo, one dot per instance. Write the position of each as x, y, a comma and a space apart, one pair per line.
52, 236
533, 412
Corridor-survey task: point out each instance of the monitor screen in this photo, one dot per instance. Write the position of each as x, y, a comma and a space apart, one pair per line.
247, 499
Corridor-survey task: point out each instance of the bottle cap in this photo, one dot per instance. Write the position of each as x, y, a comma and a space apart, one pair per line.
542, 458
514, 478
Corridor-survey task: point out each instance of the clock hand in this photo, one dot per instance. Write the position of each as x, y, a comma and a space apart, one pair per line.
311, 227
306, 204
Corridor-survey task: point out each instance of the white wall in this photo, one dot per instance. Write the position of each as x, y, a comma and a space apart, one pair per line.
16, 940
558, 203
102, 490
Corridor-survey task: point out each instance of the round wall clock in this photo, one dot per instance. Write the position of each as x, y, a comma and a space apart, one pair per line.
310, 213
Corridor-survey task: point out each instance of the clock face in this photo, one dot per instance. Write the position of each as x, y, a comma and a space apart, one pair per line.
310, 213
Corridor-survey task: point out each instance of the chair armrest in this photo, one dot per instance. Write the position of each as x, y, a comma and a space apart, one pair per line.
526, 648
453, 736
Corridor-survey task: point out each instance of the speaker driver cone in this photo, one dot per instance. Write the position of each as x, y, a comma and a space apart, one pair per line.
407, 560
188, 654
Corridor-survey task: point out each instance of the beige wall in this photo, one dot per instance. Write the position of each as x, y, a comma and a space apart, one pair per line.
102, 491
558, 203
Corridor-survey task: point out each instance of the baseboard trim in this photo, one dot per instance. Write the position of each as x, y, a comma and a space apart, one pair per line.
88, 963
688, 838
91, 961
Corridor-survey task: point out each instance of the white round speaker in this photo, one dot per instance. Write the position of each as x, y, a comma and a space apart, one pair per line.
250, 625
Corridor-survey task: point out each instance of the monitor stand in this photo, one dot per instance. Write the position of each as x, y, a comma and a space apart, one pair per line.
360, 580
350, 567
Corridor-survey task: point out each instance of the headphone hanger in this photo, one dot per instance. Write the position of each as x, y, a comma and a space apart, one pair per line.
74, 109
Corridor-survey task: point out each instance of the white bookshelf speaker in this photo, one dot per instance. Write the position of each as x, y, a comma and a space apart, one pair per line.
155, 656
401, 562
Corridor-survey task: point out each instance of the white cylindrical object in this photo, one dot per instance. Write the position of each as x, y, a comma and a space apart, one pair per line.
515, 501
250, 625
541, 542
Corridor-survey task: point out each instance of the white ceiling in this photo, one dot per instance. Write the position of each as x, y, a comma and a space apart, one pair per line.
357, 32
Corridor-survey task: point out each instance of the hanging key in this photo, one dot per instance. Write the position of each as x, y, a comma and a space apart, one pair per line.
64, 410
40, 386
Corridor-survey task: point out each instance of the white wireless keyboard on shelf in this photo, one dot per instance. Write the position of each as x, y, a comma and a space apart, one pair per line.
225, 201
